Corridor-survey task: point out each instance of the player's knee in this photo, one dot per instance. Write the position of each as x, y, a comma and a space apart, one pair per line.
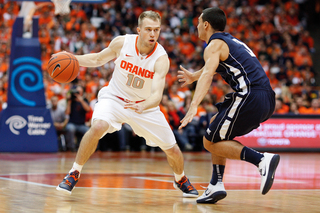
207, 144
99, 127
175, 150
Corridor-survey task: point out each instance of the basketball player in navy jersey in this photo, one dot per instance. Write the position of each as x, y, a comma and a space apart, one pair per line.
251, 103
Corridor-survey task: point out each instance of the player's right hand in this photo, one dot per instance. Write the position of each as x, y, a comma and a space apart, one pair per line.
57, 53
184, 76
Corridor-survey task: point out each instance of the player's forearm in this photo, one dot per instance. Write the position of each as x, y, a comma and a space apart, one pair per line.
196, 75
151, 102
89, 60
202, 88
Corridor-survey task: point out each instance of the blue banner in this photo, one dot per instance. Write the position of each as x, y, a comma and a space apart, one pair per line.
26, 124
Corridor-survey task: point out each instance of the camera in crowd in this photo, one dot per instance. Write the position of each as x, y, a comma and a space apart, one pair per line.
73, 93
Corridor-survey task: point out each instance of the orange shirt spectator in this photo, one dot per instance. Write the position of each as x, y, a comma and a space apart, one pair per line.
3, 65
281, 108
44, 37
176, 97
314, 109
303, 58
93, 85
307, 39
186, 47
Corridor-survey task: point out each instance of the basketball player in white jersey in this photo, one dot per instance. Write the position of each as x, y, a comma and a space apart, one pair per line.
132, 97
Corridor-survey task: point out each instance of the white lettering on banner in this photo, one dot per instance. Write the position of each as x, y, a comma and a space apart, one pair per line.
281, 126
273, 141
300, 126
271, 130
36, 125
37, 132
300, 134
39, 125
32, 118
264, 133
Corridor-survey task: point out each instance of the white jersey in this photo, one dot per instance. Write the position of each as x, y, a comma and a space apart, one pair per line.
133, 73
132, 80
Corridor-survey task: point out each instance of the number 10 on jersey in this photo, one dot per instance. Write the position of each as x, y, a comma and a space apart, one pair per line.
135, 82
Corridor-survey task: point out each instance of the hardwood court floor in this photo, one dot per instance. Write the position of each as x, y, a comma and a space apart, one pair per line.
142, 182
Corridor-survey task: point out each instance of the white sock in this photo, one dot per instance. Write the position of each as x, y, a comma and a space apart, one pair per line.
76, 167
178, 177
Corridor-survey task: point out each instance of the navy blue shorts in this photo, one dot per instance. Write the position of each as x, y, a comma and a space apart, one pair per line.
240, 114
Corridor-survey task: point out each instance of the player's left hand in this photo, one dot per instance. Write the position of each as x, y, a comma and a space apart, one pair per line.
189, 116
138, 108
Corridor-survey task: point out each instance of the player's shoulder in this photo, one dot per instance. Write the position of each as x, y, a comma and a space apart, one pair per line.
161, 51
119, 39
216, 45
117, 43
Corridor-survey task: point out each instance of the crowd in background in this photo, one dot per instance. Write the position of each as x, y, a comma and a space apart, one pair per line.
275, 31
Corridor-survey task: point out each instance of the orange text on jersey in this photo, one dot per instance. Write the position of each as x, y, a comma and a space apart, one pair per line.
136, 69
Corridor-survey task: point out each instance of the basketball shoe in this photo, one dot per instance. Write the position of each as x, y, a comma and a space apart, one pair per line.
267, 169
69, 181
186, 187
213, 193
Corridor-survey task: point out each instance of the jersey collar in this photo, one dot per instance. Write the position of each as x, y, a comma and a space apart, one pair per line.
137, 51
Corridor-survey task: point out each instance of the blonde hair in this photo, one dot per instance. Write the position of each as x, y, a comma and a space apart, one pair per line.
149, 14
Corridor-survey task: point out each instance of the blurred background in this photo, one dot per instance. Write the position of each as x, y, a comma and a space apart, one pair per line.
284, 35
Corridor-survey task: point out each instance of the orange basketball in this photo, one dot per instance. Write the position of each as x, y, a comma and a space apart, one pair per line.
63, 67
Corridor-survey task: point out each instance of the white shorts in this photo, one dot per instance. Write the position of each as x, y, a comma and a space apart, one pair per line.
151, 124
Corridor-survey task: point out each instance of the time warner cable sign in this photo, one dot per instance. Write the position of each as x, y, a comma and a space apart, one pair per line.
26, 124
35, 125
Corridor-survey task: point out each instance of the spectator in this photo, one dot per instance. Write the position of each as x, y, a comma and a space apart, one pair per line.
176, 96
77, 107
293, 109
174, 119
190, 131
60, 121
314, 108
280, 107
302, 105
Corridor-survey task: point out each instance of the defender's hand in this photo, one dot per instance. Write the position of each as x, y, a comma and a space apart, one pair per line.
189, 116
184, 76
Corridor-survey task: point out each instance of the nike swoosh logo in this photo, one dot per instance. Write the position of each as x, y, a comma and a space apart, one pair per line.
128, 55
54, 69
264, 173
207, 192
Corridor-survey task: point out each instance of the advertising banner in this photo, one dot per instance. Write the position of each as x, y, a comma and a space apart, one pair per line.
285, 133
26, 124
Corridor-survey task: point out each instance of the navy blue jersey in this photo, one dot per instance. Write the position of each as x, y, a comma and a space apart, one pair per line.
252, 102
242, 70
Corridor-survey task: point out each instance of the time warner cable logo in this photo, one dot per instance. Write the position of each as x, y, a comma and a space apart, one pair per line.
36, 124
16, 122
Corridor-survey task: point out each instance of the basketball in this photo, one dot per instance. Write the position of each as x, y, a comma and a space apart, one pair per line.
63, 67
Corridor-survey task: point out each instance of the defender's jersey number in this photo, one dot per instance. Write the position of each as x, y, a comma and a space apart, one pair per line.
245, 46
135, 82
